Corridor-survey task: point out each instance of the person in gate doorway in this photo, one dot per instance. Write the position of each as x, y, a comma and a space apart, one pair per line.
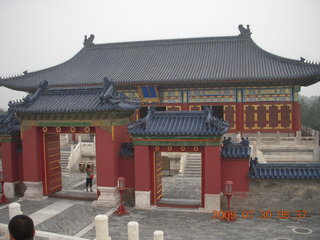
21, 227
89, 174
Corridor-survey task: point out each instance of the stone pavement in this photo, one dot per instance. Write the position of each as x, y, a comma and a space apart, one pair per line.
75, 218
181, 187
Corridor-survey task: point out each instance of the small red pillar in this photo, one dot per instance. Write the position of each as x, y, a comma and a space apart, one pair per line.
32, 145
212, 169
9, 161
106, 159
296, 117
239, 117
142, 166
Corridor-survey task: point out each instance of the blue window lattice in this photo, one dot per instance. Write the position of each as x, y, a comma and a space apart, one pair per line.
149, 92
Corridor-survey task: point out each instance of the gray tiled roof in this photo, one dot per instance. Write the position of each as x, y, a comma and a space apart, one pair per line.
78, 99
179, 123
8, 124
284, 170
234, 60
235, 150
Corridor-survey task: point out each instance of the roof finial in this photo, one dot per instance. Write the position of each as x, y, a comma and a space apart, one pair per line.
88, 42
245, 32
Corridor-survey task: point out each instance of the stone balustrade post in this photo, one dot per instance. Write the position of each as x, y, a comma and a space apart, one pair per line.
317, 138
14, 209
259, 138
133, 230
158, 235
298, 137
278, 138
102, 228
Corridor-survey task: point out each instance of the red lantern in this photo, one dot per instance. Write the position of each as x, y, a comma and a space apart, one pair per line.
228, 194
228, 185
121, 183
121, 188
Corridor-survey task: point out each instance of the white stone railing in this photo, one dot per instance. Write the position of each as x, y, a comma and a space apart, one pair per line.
64, 139
74, 158
81, 149
88, 148
183, 162
285, 141
101, 223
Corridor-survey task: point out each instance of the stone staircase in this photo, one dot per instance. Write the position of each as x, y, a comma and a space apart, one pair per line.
193, 166
64, 159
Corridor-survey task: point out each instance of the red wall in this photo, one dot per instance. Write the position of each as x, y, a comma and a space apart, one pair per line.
297, 116
10, 161
109, 165
237, 171
106, 159
126, 170
212, 165
32, 146
142, 166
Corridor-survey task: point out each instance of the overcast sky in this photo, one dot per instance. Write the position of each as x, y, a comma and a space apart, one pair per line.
37, 34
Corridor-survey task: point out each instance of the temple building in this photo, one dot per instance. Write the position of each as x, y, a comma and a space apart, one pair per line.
199, 89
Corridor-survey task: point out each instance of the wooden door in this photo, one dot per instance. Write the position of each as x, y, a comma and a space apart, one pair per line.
53, 181
158, 176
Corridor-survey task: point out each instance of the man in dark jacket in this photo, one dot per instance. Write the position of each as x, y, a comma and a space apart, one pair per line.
21, 227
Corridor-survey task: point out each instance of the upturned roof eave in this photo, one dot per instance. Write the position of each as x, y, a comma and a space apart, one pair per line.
239, 82
305, 80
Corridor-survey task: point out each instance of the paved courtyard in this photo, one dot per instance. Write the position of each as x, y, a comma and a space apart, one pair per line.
181, 188
74, 218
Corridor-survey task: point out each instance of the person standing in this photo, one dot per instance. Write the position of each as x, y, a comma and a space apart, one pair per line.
21, 227
89, 175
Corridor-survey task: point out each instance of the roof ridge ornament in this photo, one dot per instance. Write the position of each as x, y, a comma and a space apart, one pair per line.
111, 95
88, 41
244, 32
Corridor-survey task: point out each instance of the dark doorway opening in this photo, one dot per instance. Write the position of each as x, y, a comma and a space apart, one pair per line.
144, 111
217, 111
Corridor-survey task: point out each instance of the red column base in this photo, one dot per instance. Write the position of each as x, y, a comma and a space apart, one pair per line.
3, 197
121, 210
227, 216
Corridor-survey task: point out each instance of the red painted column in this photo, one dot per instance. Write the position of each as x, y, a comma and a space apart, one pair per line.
212, 169
239, 117
211, 178
106, 159
9, 161
296, 116
142, 166
32, 145
33, 163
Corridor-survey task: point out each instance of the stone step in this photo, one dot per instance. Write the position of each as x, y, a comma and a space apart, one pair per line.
191, 171
193, 164
64, 160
